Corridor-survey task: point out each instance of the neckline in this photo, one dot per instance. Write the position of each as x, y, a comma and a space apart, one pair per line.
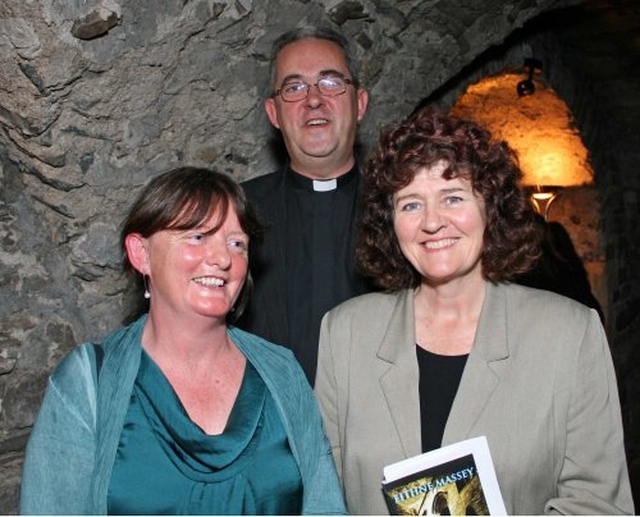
428, 354
321, 186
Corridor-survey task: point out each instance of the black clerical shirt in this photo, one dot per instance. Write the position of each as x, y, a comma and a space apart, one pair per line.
306, 264
319, 261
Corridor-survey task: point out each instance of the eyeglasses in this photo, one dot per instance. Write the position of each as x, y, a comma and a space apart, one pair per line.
330, 86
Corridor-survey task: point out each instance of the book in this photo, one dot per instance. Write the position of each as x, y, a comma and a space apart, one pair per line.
457, 479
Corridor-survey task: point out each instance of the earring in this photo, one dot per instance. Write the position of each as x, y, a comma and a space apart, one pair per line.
147, 294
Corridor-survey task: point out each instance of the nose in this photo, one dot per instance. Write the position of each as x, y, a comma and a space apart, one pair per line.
218, 254
314, 97
432, 220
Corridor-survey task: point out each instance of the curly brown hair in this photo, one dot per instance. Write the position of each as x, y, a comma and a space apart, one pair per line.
511, 240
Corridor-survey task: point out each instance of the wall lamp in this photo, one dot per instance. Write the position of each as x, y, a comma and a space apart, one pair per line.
527, 87
542, 197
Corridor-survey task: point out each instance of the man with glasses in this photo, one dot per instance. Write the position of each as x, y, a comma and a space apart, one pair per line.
306, 265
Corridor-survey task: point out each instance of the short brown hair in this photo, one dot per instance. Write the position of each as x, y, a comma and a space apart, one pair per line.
420, 141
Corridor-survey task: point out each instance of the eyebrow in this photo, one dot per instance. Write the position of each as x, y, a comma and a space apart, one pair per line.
454, 189
321, 74
446, 191
405, 197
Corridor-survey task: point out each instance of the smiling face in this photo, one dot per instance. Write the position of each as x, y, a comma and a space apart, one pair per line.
197, 271
319, 131
440, 226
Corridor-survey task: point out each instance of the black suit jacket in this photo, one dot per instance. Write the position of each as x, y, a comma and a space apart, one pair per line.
266, 314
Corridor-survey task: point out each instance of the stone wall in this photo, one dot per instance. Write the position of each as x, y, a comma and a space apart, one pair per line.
98, 95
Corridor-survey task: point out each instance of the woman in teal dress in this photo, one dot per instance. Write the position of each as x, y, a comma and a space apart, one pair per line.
181, 412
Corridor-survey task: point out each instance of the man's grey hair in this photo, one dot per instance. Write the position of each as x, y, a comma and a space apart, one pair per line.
322, 33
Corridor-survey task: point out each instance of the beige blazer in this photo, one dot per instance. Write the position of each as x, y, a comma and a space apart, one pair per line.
539, 384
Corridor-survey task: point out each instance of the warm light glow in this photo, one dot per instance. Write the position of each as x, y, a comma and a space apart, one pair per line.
542, 197
538, 127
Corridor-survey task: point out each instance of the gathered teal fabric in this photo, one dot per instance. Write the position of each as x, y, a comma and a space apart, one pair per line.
74, 442
176, 468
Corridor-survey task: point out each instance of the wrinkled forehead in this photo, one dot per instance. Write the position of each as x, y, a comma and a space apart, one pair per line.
310, 58
444, 168
436, 169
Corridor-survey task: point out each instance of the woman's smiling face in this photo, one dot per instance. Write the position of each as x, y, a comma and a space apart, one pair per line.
440, 224
200, 270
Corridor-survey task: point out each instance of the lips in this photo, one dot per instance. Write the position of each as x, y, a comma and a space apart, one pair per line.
317, 122
439, 244
209, 281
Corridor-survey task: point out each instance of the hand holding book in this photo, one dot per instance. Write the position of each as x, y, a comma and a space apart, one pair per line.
458, 479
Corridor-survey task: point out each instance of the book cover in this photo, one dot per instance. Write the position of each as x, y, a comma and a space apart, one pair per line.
458, 479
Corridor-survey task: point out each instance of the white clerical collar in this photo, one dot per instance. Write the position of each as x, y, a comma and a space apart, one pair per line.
325, 185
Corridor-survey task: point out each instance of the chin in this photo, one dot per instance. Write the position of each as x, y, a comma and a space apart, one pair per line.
219, 312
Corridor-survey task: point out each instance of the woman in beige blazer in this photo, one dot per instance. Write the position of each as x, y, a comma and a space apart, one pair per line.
452, 350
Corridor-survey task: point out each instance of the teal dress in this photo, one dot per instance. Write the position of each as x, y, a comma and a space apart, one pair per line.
166, 464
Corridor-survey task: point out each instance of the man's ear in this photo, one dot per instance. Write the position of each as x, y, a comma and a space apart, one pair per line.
137, 252
272, 113
362, 97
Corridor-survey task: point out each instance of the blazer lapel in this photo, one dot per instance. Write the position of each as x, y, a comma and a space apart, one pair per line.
400, 382
482, 372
